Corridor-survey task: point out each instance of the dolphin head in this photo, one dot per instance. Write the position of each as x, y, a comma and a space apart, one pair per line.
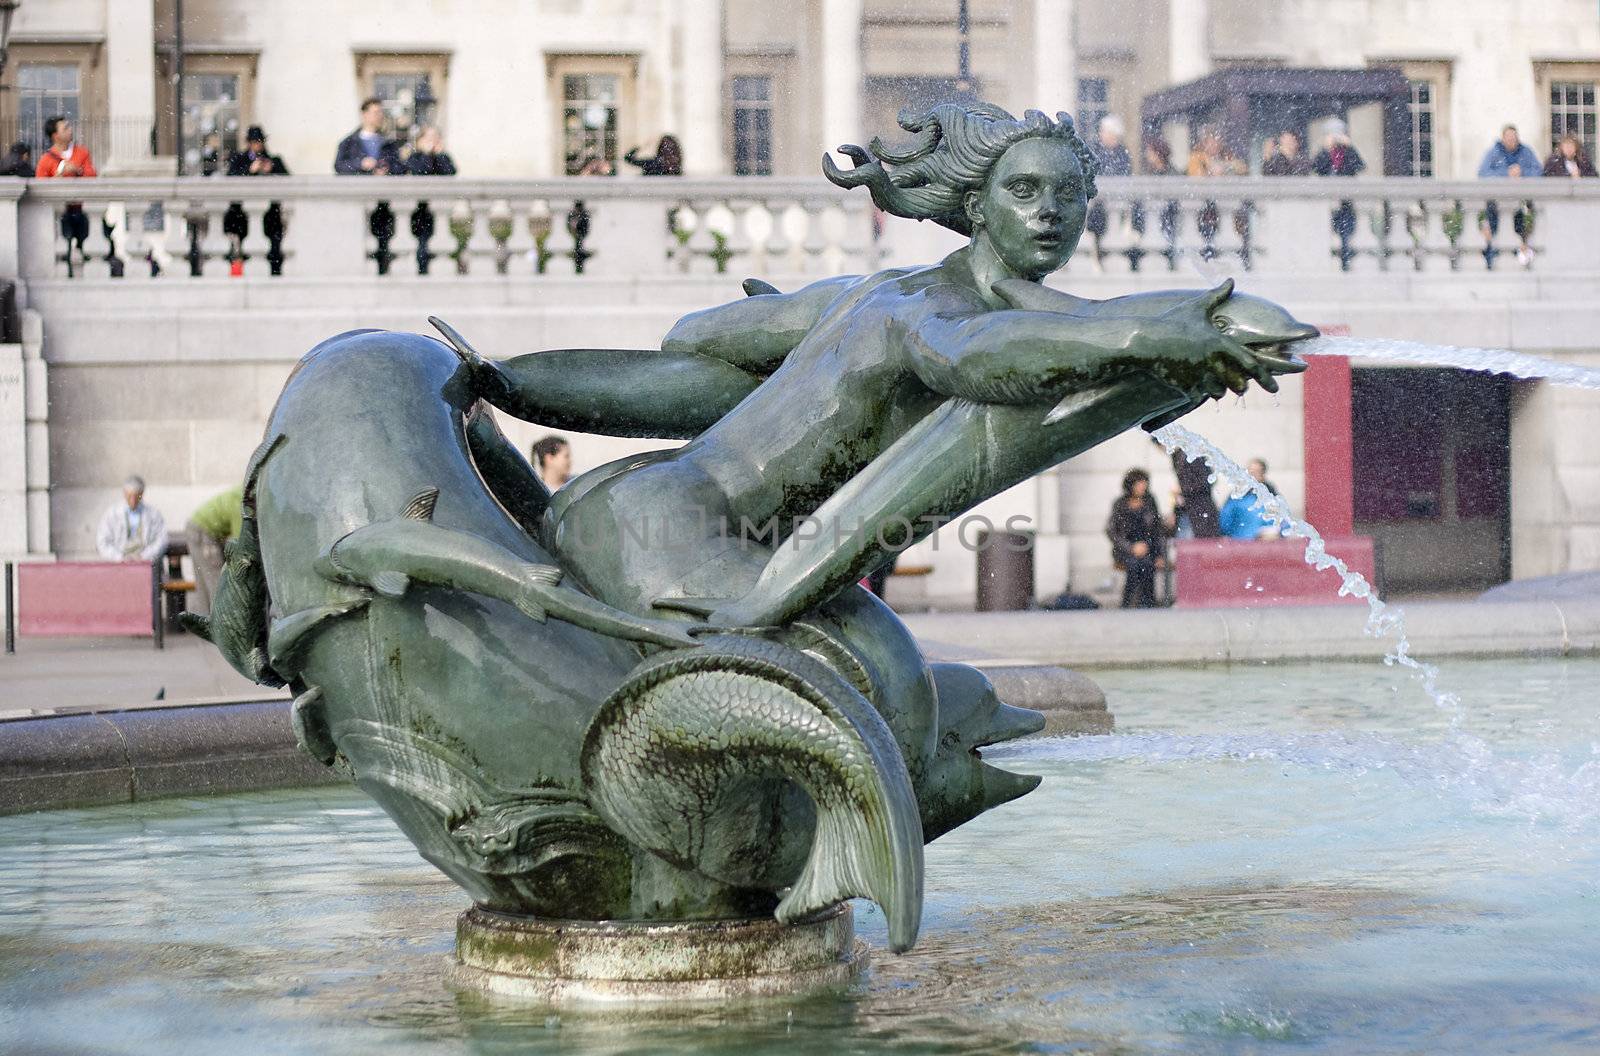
1262, 326
959, 785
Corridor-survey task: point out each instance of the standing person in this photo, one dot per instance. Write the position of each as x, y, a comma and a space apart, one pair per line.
130, 530
19, 162
552, 457
256, 160
367, 151
429, 157
1508, 159
1114, 160
1138, 540
1568, 159
667, 162
64, 159
210, 526
1339, 157
1287, 158
1194, 509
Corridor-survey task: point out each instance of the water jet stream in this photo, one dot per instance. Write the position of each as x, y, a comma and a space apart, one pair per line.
1531, 789
1485, 360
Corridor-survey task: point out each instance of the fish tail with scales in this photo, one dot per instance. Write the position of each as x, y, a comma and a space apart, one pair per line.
689, 729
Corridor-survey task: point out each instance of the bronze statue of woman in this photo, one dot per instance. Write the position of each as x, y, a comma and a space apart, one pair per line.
873, 406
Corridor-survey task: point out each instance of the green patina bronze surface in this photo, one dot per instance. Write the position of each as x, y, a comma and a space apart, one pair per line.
657, 695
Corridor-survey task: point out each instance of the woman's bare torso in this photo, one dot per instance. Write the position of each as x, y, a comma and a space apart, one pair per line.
852, 375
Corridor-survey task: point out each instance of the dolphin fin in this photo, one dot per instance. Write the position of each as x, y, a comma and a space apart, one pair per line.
758, 287
291, 635
690, 729
420, 508
311, 728
196, 624
389, 583
693, 606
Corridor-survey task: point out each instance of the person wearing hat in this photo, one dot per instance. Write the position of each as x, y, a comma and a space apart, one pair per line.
254, 160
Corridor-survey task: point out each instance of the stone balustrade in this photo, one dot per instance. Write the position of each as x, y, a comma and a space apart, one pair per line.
340, 227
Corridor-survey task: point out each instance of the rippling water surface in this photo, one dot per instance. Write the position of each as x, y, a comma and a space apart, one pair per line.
1261, 860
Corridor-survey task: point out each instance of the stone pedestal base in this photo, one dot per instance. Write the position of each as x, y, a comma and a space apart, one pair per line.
566, 961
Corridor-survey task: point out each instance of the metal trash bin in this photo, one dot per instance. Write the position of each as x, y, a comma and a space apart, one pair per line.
1005, 570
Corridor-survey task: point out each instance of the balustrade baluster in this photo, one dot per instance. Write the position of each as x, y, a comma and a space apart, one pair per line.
816, 241
461, 229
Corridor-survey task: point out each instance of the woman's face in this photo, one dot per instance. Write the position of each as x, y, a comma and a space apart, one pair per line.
1140, 488
1569, 149
1033, 206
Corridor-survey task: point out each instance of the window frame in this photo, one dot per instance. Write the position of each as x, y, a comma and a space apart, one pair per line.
1438, 74
92, 108
624, 67
1549, 74
434, 64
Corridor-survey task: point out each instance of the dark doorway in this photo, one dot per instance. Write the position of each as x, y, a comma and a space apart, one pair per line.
1433, 476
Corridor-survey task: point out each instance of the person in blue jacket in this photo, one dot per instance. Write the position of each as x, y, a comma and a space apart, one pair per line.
1508, 158
1242, 516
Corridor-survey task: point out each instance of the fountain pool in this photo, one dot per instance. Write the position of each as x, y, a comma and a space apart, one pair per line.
1267, 859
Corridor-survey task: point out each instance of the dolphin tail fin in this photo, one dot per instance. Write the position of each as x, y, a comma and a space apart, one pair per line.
196, 624
672, 753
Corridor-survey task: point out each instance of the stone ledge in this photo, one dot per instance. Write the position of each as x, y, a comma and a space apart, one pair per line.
1124, 638
121, 756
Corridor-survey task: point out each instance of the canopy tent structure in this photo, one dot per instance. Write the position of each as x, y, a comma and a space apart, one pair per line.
1247, 105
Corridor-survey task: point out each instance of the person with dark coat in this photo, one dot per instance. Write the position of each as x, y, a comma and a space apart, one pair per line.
1113, 159
1194, 513
19, 162
1568, 159
1285, 158
1339, 157
428, 158
367, 151
255, 160
667, 162
1138, 540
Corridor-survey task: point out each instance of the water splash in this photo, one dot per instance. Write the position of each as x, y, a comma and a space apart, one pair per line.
1486, 360
1383, 620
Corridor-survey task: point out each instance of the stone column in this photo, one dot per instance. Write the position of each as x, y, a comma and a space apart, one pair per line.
1188, 40
841, 72
1055, 59
702, 117
130, 86
36, 405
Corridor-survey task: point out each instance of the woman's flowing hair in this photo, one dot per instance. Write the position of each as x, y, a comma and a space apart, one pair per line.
953, 148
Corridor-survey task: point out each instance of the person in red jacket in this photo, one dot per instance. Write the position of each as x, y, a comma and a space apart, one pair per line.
64, 158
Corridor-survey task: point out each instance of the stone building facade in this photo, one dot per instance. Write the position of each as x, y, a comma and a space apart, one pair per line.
525, 89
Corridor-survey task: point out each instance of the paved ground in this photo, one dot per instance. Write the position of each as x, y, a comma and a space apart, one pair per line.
48, 674
57, 674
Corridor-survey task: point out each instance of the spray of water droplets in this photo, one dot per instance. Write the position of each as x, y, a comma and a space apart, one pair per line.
1382, 620
1487, 360
1542, 788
